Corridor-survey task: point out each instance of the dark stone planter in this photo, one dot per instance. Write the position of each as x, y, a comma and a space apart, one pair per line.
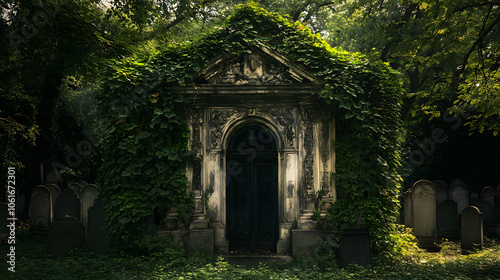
355, 248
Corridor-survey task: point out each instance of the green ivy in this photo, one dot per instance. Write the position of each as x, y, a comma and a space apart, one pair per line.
146, 145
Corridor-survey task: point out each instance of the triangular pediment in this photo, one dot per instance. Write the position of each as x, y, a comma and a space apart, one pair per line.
260, 67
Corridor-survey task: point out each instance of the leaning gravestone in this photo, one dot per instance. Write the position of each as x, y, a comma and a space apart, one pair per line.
40, 208
55, 193
472, 228
82, 183
424, 213
77, 188
447, 216
442, 190
488, 194
65, 235
87, 198
97, 228
459, 192
68, 205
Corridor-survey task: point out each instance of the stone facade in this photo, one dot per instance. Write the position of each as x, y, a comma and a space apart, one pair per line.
261, 88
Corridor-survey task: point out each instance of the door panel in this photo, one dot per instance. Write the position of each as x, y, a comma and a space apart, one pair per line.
252, 190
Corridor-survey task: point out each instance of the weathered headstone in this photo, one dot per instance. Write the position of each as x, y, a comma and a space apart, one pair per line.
424, 213
407, 209
459, 192
488, 194
447, 216
65, 235
77, 188
97, 228
4, 214
68, 205
55, 193
486, 209
40, 208
472, 228
82, 183
442, 190
87, 198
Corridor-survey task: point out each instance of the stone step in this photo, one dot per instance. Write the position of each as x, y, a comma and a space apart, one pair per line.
256, 259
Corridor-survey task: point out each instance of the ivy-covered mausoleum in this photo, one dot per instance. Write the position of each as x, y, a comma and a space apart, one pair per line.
276, 135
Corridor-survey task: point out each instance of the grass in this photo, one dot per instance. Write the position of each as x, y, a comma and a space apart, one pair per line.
33, 263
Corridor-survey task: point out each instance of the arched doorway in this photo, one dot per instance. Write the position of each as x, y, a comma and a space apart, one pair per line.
252, 189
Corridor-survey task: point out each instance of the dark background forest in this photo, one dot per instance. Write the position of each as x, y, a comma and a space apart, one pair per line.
52, 55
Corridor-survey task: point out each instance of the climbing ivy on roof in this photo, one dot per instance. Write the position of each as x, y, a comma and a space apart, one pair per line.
146, 145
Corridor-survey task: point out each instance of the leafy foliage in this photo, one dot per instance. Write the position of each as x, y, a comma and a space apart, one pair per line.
146, 144
173, 264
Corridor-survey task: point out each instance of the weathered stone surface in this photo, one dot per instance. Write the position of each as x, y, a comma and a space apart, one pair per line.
55, 193
202, 240
424, 212
442, 190
40, 207
472, 228
87, 198
459, 192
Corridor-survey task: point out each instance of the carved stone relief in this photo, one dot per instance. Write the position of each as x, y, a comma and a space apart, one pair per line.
252, 69
308, 159
285, 118
218, 118
325, 152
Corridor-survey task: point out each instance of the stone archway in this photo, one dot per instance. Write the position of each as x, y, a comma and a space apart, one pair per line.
252, 189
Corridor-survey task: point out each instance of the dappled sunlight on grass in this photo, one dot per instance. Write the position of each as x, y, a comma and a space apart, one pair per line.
450, 263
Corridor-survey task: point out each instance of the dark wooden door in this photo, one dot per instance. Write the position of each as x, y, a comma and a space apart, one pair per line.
252, 191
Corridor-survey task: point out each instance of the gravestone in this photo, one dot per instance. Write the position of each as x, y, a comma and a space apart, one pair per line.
354, 248
472, 228
55, 193
424, 212
488, 194
77, 188
459, 192
442, 190
4, 214
447, 216
82, 183
486, 209
65, 235
40, 208
407, 209
68, 205
97, 228
87, 198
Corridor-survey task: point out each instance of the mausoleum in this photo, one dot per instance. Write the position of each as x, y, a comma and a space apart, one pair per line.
273, 131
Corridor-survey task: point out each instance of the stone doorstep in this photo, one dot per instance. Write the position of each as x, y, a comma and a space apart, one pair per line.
256, 259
